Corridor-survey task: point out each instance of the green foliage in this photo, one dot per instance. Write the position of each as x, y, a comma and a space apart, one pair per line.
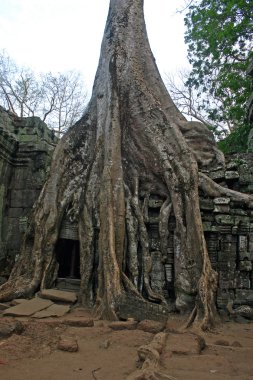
219, 37
237, 141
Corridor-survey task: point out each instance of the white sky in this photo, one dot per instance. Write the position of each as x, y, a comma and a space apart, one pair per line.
59, 35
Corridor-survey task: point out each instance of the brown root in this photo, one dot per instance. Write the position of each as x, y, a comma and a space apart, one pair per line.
149, 357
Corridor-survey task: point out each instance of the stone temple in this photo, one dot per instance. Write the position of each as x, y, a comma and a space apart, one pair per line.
26, 147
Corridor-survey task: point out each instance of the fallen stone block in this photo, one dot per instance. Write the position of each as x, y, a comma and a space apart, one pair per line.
185, 344
27, 308
4, 306
68, 344
123, 325
17, 301
52, 311
78, 322
153, 327
58, 295
9, 327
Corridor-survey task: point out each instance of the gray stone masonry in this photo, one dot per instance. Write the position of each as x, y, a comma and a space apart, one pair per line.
26, 147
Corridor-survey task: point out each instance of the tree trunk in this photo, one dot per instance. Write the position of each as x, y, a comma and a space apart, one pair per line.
132, 142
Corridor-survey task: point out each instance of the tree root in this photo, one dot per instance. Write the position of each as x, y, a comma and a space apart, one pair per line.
213, 189
149, 356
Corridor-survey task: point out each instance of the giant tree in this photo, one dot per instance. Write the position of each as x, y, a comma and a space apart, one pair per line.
131, 142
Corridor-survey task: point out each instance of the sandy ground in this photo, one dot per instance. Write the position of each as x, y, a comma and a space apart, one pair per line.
105, 354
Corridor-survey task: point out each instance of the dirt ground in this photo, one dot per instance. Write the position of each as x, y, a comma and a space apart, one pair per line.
105, 354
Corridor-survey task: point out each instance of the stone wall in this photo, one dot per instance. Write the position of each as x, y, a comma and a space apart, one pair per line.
26, 147
228, 227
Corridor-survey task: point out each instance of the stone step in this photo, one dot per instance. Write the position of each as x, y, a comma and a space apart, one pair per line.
27, 308
52, 311
58, 295
68, 284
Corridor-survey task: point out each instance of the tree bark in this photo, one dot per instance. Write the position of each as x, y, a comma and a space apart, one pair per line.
131, 142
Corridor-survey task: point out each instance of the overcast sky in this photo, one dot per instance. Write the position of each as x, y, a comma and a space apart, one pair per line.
59, 35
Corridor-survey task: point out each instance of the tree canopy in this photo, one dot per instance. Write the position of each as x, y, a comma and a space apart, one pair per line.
219, 37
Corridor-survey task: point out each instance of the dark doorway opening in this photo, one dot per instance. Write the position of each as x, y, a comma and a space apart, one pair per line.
68, 257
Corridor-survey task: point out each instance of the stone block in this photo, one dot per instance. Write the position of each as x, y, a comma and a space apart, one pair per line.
123, 325
79, 321
238, 211
242, 280
246, 177
15, 212
242, 243
222, 209
130, 307
9, 327
153, 327
25, 309
206, 204
225, 219
52, 311
245, 266
217, 174
244, 255
231, 175
155, 203
68, 344
221, 201
244, 297
185, 344
23, 198
58, 295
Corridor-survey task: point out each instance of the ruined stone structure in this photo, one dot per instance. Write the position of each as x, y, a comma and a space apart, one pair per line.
26, 147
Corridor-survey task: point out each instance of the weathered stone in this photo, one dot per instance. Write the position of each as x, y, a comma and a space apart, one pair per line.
185, 344
217, 175
4, 306
231, 175
223, 209
245, 265
52, 311
244, 255
9, 327
153, 327
68, 344
130, 307
225, 219
155, 203
78, 322
28, 307
206, 204
25, 151
17, 301
242, 280
221, 201
58, 295
123, 325
242, 243
244, 296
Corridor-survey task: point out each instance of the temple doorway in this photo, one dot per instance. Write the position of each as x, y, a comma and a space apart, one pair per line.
68, 258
